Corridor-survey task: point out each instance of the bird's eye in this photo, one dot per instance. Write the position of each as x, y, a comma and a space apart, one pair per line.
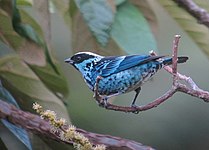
78, 58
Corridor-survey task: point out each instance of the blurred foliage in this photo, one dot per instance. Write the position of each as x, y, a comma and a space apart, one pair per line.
30, 72
28, 68
20, 133
92, 10
120, 24
125, 35
198, 32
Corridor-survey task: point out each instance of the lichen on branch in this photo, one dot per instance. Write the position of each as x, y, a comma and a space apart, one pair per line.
64, 131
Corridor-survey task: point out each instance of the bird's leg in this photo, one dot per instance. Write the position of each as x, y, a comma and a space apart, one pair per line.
134, 100
100, 99
104, 102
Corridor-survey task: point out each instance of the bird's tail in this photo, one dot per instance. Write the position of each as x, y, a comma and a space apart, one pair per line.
168, 61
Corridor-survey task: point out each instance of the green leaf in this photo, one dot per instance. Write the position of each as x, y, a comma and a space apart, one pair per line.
17, 42
24, 29
25, 2
6, 96
8, 35
34, 54
10, 141
72, 8
56, 83
148, 13
99, 16
28, 32
2, 145
84, 40
24, 47
20, 133
26, 87
198, 32
27, 19
131, 31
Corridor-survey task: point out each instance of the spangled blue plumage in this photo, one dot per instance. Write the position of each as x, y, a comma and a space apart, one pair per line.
127, 80
116, 64
120, 74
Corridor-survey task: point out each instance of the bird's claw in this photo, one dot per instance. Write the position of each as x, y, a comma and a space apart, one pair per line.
103, 102
134, 105
136, 111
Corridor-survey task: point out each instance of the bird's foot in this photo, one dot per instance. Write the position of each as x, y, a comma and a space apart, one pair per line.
103, 102
136, 107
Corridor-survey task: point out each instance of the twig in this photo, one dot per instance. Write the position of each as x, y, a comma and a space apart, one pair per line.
175, 58
150, 105
192, 90
189, 80
199, 13
35, 124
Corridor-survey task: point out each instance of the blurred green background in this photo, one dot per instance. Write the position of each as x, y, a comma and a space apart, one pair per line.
181, 122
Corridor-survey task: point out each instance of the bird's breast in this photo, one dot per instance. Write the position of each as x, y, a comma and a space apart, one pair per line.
127, 80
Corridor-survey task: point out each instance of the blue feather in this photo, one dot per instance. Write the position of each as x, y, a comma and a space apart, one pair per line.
118, 64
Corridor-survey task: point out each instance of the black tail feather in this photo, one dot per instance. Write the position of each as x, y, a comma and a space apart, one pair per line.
181, 59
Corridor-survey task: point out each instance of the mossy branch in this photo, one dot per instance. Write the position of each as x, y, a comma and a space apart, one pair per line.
33, 123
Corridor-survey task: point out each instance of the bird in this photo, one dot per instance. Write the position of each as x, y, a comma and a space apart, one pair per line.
120, 74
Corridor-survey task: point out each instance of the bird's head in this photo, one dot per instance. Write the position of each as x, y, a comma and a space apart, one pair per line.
83, 61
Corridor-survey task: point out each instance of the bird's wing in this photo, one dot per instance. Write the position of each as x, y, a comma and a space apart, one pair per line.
115, 64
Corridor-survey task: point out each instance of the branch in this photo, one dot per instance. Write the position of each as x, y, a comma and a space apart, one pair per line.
175, 58
192, 89
199, 13
35, 124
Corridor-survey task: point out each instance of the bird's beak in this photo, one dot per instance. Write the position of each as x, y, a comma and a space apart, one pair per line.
68, 60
